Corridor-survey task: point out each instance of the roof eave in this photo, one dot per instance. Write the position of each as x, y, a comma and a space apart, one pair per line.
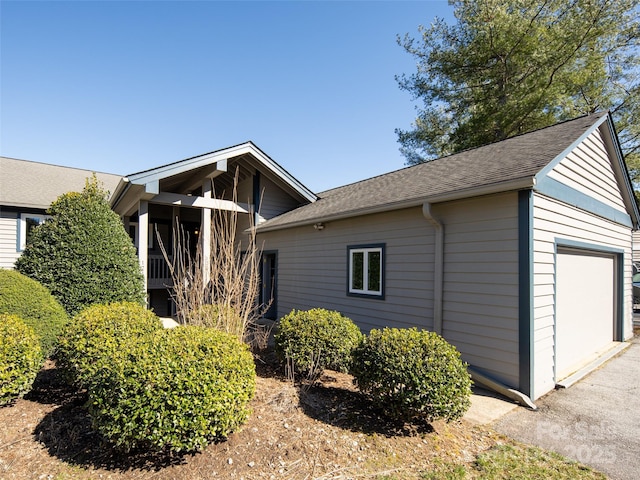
156, 174
511, 185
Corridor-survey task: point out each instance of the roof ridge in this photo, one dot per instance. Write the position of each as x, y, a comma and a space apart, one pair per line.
597, 115
59, 166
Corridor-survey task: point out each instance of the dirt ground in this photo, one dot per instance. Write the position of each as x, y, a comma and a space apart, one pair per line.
324, 432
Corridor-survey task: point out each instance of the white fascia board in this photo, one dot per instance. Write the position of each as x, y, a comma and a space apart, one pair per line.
508, 186
553, 163
612, 144
220, 157
166, 171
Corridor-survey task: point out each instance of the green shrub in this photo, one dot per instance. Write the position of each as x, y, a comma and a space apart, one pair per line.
20, 358
317, 339
99, 332
177, 390
83, 254
31, 301
412, 374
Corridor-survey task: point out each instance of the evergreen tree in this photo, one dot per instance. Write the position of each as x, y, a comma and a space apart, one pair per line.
511, 66
83, 254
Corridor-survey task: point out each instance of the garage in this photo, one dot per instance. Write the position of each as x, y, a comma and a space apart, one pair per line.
585, 307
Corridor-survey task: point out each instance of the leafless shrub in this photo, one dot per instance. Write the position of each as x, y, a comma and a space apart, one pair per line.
221, 288
310, 376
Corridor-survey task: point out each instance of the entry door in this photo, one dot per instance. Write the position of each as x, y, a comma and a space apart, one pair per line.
268, 293
586, 290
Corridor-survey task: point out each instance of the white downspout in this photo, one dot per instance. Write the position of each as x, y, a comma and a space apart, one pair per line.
496, 386
438, 274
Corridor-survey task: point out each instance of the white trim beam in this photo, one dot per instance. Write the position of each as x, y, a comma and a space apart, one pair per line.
143, 242
217, 169
205, 233
159, 173
176, 199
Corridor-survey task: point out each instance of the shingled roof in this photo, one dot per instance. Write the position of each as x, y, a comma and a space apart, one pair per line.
36, 185
502, 166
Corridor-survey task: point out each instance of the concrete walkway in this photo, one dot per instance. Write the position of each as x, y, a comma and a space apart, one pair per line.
596, 421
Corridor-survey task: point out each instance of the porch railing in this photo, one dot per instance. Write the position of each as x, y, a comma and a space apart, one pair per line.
158, 274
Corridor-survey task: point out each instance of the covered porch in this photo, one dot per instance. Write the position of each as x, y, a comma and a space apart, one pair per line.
153, 203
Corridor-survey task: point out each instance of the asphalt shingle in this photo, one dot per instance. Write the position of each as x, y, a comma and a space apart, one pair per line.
35, 185
516, 158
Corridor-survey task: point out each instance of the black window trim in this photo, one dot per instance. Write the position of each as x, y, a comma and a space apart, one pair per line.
382, 247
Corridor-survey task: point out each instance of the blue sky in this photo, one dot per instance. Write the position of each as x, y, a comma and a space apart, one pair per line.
123, 86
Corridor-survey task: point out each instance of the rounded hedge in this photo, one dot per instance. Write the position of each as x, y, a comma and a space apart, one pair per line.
20, 358
98, 333
83, 254
31, 301
412, 374
176, 390
317, 339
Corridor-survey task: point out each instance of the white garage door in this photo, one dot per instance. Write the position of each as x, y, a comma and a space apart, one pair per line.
585, 308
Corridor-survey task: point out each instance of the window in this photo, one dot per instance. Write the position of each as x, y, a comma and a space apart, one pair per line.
366, 270
27, 222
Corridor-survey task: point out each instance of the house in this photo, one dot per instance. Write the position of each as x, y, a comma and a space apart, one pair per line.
519, 253
151, 204
27, 189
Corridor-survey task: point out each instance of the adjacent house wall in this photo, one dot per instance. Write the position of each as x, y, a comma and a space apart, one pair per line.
312, 268
481, 314
636, 247
8, 239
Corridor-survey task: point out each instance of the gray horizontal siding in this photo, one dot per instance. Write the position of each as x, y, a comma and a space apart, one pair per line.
588, 169
553, 220
274, 201
480, 282
312, 268
480, 304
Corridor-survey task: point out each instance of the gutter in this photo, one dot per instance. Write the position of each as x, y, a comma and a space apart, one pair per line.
438, 273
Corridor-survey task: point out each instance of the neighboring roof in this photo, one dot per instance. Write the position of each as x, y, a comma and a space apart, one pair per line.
29, 184
511, 164
137, 184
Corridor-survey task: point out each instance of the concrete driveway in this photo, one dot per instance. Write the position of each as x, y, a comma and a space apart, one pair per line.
596, 421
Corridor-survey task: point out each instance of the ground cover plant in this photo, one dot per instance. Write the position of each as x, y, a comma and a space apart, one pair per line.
31, 301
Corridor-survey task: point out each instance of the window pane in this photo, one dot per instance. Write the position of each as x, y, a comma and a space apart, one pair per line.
357, 270
374, 271
30, 224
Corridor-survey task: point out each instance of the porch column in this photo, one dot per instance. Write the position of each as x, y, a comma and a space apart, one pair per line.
205, 233
143, 240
